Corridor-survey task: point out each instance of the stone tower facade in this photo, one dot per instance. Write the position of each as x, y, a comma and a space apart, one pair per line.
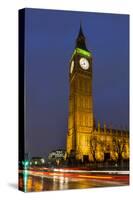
84, 139
81, 117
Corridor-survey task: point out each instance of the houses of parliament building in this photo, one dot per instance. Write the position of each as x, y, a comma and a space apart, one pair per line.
89, 141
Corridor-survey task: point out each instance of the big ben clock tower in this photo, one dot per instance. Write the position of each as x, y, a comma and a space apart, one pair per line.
80, 119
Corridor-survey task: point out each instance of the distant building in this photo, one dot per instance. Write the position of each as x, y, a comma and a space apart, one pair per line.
59, 154
37, 161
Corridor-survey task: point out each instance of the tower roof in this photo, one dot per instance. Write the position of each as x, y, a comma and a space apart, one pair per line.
80, 41
81, 32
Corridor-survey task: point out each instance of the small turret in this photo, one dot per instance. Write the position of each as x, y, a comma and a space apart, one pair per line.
99, 128
104, 127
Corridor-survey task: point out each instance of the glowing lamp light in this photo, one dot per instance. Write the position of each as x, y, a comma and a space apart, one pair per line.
42, 160
35, 162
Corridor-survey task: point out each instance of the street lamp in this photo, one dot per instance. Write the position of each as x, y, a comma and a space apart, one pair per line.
25, 163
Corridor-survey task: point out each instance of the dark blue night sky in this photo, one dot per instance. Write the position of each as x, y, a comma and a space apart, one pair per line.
49, 42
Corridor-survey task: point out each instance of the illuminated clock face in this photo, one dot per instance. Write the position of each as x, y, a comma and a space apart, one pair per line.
84, 63
72, 66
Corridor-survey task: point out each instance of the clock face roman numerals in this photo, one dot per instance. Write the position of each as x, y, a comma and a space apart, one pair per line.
84, 63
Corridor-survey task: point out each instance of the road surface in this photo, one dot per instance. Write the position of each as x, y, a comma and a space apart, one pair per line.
62, 179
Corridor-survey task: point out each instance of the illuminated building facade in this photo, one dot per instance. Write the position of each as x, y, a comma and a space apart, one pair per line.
89, 142
57, 154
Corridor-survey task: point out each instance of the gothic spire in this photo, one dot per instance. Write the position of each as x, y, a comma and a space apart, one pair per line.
80, 42
81, 31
